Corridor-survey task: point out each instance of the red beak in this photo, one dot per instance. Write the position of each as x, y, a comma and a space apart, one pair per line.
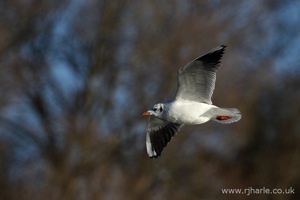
146, 113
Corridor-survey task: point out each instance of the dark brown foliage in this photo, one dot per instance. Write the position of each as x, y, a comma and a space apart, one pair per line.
75, 76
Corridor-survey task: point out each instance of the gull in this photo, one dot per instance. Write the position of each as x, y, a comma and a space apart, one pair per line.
191, 105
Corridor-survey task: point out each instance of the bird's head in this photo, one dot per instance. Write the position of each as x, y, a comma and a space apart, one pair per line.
156, 110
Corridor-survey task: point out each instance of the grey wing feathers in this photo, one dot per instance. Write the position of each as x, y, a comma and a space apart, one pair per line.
159, 133
196, 80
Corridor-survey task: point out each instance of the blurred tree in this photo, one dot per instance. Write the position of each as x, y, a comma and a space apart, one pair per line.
76, 76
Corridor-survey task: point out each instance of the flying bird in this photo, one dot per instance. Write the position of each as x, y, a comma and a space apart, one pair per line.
191, 105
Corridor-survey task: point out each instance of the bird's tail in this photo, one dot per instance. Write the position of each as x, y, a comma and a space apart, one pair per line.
226, 115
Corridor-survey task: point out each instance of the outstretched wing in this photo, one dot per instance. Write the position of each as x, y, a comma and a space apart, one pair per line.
159, 133
196, 80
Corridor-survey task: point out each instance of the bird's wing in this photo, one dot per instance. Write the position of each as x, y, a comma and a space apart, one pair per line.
159, 133
196, 80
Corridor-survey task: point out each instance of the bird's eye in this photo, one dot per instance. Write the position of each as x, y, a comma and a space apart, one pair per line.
154, 109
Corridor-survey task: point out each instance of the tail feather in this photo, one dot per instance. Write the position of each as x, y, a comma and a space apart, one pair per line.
226, 115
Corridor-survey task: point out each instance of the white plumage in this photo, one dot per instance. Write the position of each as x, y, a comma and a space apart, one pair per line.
191, 105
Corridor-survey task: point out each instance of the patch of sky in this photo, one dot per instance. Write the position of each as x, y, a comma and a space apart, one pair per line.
121, 96
283, 36
63, 23
64, 76
239, 13
289, 61
20, 111
65, 47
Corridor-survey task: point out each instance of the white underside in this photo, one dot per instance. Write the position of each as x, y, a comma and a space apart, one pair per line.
189, 112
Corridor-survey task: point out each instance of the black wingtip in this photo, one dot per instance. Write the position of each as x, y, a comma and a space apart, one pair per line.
161, 137
213, 56
154, 157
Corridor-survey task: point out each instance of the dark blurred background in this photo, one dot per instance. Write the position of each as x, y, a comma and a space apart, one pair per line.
76, 76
